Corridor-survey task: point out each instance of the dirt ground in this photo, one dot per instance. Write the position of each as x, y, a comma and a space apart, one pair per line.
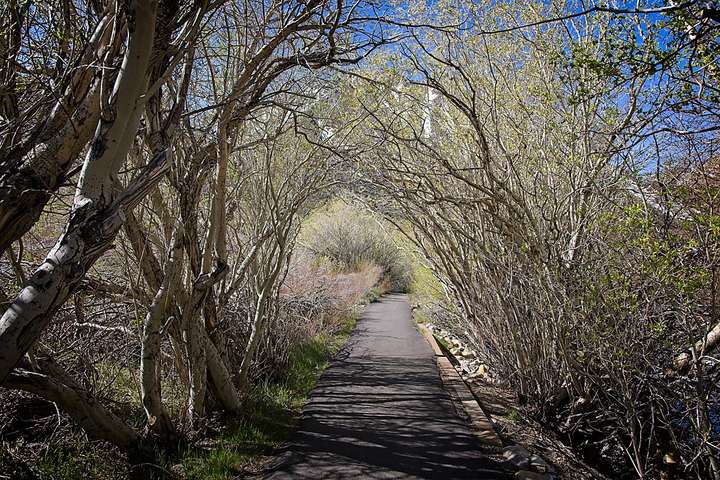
515, 428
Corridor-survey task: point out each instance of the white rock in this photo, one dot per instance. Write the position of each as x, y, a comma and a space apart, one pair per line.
518, 456
538, 463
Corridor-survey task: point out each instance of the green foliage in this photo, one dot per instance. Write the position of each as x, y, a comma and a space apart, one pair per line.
443, 344
86, 462
514, 415
425, 287
351, 237
373, 295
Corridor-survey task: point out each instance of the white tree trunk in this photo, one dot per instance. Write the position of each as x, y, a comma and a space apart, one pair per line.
150, 366
705, 344
222, 381
95, 218
256, 333
194, 337
44, 163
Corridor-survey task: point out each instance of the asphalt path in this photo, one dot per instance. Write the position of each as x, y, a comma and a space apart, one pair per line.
380, 411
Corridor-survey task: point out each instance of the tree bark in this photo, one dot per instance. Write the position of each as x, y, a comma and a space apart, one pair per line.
256, 333
35, 169
96, 217
706, 344
222, 381
150, 366
197, 360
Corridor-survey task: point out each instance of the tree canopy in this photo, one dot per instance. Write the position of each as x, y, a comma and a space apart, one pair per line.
191, 189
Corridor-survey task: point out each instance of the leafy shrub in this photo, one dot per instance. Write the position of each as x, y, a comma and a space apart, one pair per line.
351, 238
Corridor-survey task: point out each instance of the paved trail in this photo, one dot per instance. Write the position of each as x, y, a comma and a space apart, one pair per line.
380, 411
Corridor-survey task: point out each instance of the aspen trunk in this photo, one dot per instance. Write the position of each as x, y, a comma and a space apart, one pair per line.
194, 339
254, 340
150, 366
36, 169
706, 344
96, 217
219, 228
197, 359
222, 381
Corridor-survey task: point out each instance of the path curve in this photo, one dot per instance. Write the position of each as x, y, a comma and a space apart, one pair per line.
380, 411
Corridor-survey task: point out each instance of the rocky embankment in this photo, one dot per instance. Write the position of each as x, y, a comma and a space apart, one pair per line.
526, 447
464, 357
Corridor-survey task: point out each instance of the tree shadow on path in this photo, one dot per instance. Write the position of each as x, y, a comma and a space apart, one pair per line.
380, 411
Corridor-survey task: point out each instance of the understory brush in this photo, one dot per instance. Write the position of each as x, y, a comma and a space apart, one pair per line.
352, 239
604, 351
311, 319
228, 446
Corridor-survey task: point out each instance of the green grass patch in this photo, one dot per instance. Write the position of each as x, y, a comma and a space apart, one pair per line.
514, 415
85, 461
441, 341
271, 413
421, 316
373, 295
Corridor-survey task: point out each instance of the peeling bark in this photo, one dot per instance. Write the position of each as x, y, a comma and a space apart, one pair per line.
36, 168
96, 217
88, 235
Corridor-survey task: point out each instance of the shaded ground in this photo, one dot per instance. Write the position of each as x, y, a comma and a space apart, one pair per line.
380, 411
518, 428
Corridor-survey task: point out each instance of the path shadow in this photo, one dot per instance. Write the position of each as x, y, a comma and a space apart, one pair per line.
383, 417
